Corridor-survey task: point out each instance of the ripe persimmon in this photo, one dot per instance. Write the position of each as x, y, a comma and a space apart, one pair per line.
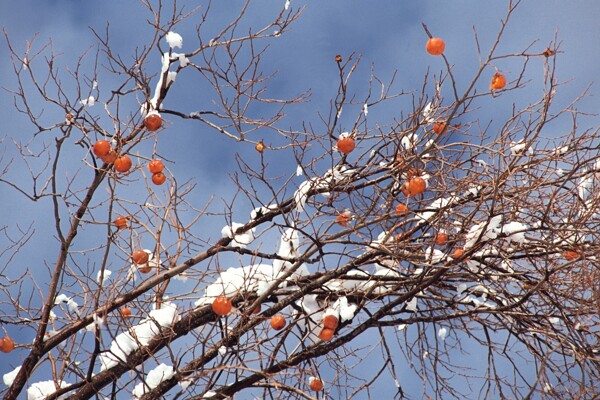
120, 222
153, 122
401, 209
222, 305
125, 312
330, 321
440, 127
571, 255
155, 166
110, 157
326, 334
7, 344
458, 253
140, 257
441, 238
346, 144
414, 186
344, 218
123, 164
498, 81
435, 46
315, 384
260, 147
101, 148
278, 322
159, 178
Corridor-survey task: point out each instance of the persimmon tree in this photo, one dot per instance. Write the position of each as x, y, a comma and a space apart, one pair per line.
445, 254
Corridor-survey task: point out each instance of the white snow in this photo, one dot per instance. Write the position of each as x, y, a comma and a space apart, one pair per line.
299, 171
434, 256
241, 240
515, 231
154, 378
9, 377
346, 311
331, 177
71, 304
492, 229
174, 40
40, 390
584, 187
442, 333
427, 114
127, 342
105, 276
287, 4
412, 304
409, 141
260, 211
366, 109
90, 101
516, 148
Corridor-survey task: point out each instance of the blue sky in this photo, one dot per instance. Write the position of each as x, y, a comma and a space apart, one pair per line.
387, 34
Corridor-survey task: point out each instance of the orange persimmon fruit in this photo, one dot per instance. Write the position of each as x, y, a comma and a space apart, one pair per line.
315, 384
222, 305
159, 178
120, 222
458, 253
440, 127
571, 255
153, 122
278, 322
498, 81
123, 163
7, 344
155, 166
110, 157
344, 218
346, 144
125, 312
326, 334
401, 209
330, 321
101, 148
435, 46
140, 257
440, 238
414, 186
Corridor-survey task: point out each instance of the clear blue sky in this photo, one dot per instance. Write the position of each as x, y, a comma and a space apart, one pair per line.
388, 34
